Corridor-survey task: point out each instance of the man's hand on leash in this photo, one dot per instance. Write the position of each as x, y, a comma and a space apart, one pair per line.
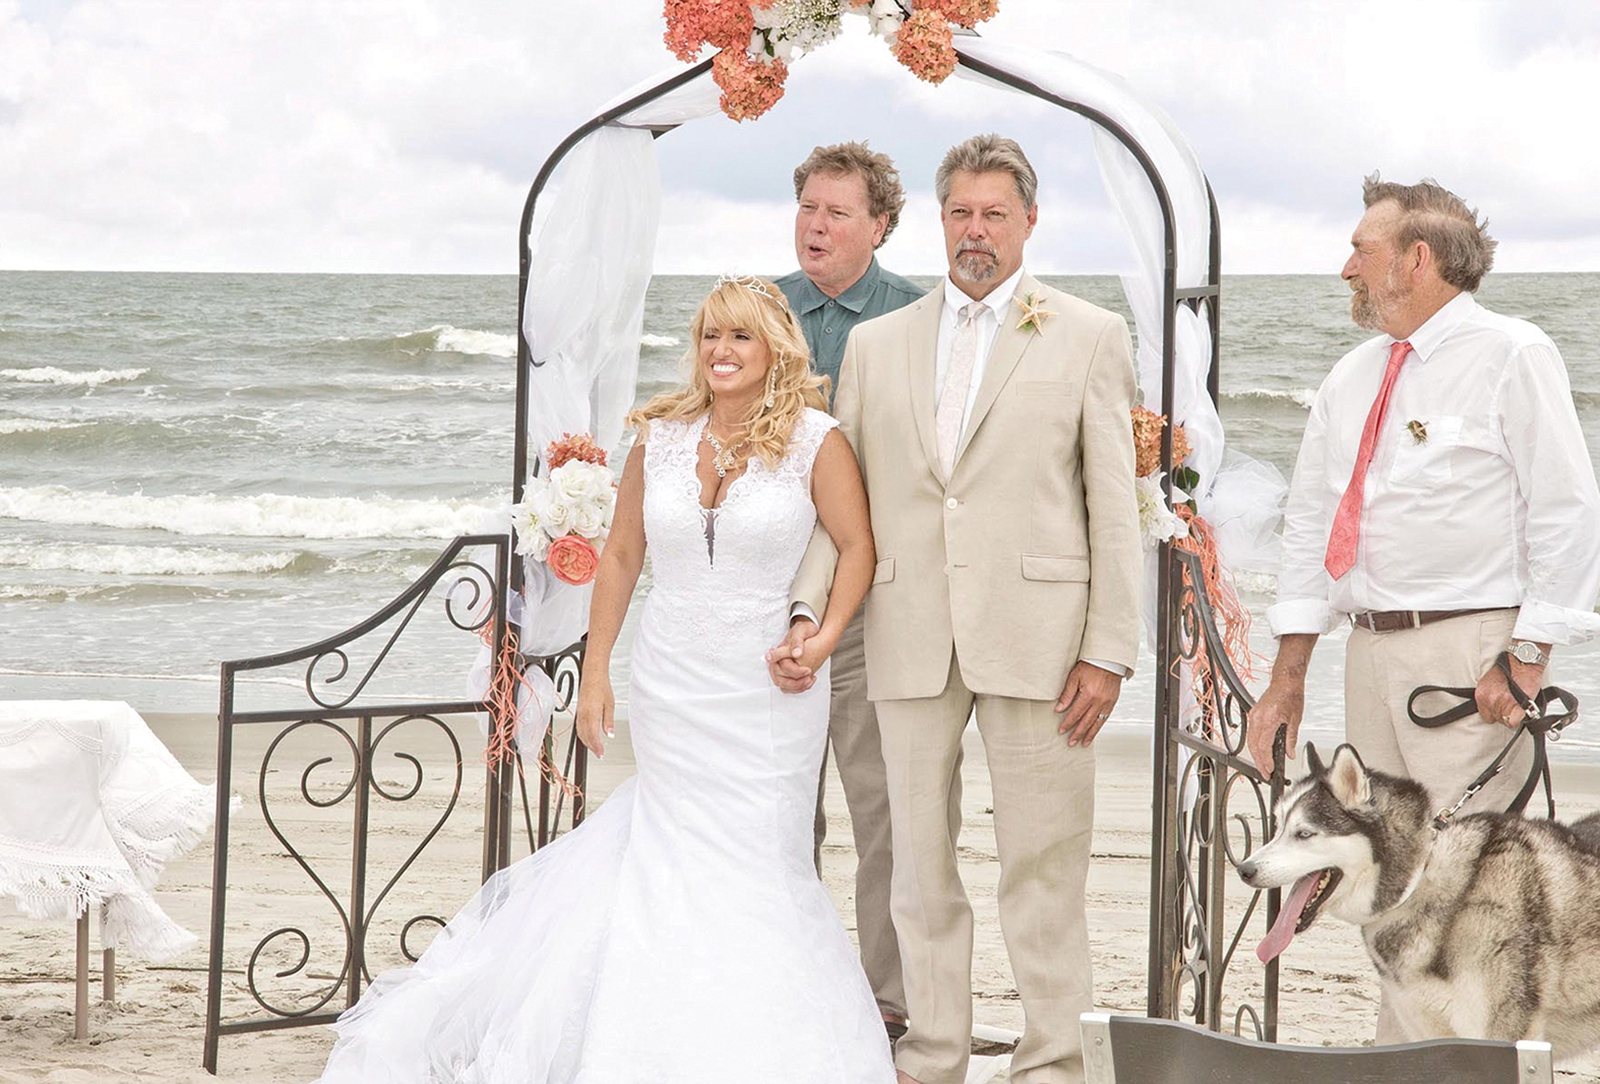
783, 661
1283, 705
1087, 701
1495, 702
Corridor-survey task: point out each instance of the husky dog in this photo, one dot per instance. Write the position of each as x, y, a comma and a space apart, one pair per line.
1486, 928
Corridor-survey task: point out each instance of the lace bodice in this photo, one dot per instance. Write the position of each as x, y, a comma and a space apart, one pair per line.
728, 568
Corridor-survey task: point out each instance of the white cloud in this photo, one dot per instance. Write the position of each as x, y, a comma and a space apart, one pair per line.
403, 136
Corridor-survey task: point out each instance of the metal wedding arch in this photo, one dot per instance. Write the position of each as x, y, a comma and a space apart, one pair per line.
1210, 805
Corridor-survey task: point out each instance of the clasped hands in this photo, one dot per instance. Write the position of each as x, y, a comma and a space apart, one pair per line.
1084, 705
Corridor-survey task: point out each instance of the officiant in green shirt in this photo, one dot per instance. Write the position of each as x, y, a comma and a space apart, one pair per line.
849, 200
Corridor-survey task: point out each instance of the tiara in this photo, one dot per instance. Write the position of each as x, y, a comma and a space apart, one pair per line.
749, 282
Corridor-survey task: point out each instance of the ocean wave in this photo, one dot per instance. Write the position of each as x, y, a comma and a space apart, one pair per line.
109, 560
1300, 397
657, 340
36, 425
49, 374
268, 515
448, 339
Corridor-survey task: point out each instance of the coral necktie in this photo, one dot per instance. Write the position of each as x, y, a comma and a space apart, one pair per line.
1346, 533
957, 382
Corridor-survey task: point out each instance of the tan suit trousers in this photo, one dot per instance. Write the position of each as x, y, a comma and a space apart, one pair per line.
1381, 669
858, 753
1043, 821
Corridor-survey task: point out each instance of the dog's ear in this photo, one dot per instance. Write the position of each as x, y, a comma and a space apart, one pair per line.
1347, 779
1313, 761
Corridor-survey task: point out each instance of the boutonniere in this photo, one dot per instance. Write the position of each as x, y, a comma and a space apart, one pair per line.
1033, 313
1418, 431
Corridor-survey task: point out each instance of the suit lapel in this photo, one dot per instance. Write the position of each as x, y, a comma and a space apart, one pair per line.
922, 346
1009, 344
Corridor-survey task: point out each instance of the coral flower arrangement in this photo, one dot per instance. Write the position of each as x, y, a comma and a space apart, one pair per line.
756, 40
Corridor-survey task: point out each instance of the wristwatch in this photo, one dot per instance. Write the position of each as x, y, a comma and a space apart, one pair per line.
1527, 653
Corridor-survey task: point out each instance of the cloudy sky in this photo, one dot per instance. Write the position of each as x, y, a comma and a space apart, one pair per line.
402, 135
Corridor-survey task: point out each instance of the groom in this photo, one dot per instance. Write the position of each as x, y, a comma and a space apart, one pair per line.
991, 422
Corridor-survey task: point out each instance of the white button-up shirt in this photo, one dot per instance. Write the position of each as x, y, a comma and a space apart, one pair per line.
994, 309
1480, 492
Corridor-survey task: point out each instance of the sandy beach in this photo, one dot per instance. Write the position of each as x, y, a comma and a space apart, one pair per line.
153, 1032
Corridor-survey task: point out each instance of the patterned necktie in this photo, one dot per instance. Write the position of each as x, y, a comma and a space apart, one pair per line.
957, 381
1346, 533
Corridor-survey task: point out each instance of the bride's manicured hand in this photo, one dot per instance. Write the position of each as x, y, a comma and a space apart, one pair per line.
596, 718
784, 662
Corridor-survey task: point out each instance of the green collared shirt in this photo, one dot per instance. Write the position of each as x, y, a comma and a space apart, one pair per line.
826, 321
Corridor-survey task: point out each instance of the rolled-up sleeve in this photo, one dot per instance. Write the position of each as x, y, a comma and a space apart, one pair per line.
1302, 605
1561, 514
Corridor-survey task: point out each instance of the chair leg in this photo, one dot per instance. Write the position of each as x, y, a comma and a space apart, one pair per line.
108, 964
80, 1028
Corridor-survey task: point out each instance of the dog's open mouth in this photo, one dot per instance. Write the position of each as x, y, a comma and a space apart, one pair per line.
1299, 911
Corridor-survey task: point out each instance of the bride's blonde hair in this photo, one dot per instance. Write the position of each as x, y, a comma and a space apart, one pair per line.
758, 307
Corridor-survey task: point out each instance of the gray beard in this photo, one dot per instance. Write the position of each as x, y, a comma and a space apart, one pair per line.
1365, 313
976, 266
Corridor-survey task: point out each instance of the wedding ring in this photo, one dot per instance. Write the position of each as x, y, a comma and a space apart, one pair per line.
1103, 716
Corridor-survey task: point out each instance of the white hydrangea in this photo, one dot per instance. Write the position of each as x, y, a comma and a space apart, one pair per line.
1157, 522
885, 17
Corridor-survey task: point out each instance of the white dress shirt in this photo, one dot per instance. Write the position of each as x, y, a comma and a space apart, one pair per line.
1480, 492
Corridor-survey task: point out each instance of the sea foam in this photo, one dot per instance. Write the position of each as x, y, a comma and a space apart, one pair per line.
106, 560
267, 515
36, 425
49, 374
657, 340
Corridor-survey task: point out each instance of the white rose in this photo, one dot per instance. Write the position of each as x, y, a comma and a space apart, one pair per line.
588, 520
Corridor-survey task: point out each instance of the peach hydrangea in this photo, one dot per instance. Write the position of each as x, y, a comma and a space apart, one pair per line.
924, 45
693, 24
967, 13
1147, 426
750, 87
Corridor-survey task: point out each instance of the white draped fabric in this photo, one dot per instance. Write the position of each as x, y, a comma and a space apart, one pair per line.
594, 236
92, 807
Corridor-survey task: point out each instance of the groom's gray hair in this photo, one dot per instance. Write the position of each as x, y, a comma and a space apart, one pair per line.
988, 154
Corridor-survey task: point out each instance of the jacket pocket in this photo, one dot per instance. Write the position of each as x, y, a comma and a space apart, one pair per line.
1038, 566
884, 572
1033, 389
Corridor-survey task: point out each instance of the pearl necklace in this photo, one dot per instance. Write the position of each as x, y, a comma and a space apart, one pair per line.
723, 461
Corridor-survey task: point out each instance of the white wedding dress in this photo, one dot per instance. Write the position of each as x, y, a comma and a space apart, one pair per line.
680, 935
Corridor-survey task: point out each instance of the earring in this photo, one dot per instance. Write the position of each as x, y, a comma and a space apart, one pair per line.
772, 386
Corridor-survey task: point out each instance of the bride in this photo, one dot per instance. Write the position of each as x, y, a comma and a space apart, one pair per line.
680, 935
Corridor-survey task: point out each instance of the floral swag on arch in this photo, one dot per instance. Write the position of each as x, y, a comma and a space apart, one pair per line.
757, 41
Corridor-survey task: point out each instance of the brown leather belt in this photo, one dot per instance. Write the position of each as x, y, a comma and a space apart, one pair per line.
1395, 620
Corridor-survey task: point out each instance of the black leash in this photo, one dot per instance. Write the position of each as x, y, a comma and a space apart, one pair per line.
1544, 716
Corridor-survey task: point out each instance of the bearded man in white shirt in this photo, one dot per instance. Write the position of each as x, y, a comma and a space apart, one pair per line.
1443, 501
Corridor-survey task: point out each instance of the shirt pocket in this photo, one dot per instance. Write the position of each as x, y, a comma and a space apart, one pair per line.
1427, 451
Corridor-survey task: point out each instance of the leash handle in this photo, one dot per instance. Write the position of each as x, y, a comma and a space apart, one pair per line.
1468, 707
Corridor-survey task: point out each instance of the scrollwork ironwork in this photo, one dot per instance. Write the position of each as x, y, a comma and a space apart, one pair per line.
1212, 834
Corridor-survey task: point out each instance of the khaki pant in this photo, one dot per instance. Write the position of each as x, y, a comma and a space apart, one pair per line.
853, 731
1043, 822
1381, 669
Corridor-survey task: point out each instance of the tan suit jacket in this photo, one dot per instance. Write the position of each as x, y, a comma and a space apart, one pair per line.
1029, 558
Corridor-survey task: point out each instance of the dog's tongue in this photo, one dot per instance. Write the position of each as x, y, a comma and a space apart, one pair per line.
1282, 931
